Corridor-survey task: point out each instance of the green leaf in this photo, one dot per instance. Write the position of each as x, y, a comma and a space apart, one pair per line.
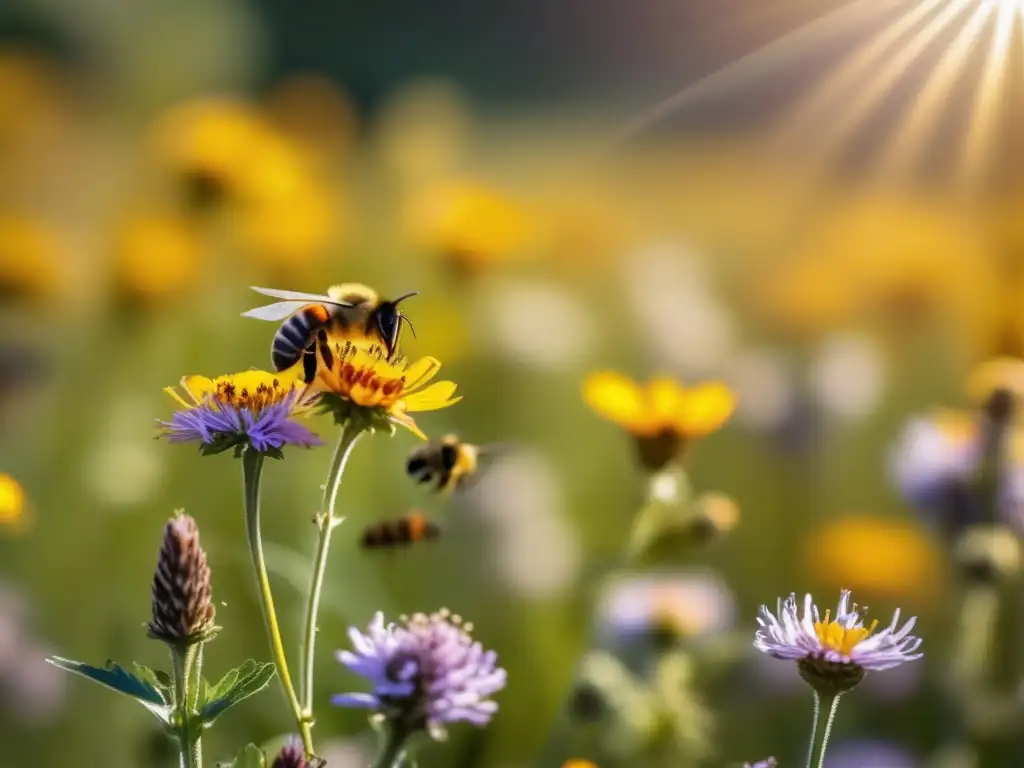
249, 756
237, 685
119, 679
161, 681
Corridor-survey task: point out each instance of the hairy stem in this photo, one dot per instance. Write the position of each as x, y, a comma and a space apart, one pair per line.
327, 520
829, 703
252, 468
185, 663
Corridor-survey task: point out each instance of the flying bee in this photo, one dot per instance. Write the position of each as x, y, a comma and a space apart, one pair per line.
349, 311
448, 463
400, 532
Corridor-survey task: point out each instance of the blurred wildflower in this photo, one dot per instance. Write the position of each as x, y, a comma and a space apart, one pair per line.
252, 408
13, 504
848, 375
995, 375
578, 764
988, 553
668, 605
312, 109
764, 387
869, 754
518, 319
427, 673
359, 381
37, 690
157, 257
611, 697
30, 260
292, 755
663, 416
905, 563
468, 225
770, 762
183, 610
32, 98
671, 523
537, 552
833, 653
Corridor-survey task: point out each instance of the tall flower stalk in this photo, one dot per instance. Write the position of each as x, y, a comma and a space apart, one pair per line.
326, 522
252, 470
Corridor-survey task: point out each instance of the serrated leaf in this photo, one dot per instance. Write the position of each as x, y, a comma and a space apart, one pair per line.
119, 679
237, 685
159, 680
249, 756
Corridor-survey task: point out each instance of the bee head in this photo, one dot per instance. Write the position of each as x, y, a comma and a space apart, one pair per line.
389, 322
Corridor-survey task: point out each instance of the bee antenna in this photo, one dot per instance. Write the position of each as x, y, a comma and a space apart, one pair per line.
412, 328
406, 296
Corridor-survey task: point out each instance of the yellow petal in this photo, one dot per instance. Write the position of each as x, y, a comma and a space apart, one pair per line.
174, 393
198, 387
12, 500
420, 372
997, 373
400, 417
437, 395
704, 409
664, 396
616, 398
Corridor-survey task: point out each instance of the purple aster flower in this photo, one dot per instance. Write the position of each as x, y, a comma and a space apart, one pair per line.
253, 408
427, 672
833, 653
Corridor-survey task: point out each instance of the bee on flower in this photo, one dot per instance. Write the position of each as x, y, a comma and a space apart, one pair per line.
663, 416
250, 409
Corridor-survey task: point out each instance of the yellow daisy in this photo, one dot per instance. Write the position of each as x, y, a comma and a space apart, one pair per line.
662, 415
359, 381
13, 505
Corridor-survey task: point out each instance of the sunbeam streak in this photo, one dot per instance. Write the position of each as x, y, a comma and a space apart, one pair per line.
907, 145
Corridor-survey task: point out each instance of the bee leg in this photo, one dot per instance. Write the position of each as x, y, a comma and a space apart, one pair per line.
309, 365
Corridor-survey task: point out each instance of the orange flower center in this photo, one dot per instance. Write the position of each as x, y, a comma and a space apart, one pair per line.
366, 377
836, 637
251, 399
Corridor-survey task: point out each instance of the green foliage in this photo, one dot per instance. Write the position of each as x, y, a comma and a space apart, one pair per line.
237, 685
249, 756
145, 689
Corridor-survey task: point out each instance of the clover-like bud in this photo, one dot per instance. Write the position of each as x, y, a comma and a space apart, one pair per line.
292, 755
183, 610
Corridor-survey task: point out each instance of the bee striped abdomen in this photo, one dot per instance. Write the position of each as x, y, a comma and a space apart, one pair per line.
404, 531
296, 334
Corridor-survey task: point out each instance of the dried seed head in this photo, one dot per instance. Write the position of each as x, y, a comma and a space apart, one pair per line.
182, 608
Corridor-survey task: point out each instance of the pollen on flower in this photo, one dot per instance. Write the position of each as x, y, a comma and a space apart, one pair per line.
251, 399
839, 638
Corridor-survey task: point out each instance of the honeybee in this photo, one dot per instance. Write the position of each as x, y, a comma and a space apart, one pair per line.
400, 532
448, 463
350, 311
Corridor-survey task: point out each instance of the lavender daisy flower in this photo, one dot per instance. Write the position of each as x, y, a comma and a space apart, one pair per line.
427, 672
252, 408
833, 653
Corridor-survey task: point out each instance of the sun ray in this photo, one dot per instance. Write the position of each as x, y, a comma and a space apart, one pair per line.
851, 72
756, 64
905, 149
874, 92
985, 109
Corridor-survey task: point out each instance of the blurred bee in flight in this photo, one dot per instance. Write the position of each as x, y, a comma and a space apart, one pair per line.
349, 311
400, 532
448, 463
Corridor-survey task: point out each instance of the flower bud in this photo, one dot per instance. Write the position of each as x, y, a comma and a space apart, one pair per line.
988, 553
292, 755
183, 610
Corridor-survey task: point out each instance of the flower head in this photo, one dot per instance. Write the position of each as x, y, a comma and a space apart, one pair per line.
662, 415
292, 755
183, 609
359, 381
427, 672
253, 408
13, 504
833, 652
769, 762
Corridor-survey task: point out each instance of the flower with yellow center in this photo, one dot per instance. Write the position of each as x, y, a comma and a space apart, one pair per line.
998, 374
358, 381
663, 415
13, 505
30, 259
833, 653
253, 408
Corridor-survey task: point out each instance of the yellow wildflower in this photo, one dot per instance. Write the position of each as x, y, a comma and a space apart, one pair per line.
365, 384
157, 256
663, 415
29, 259
13, 505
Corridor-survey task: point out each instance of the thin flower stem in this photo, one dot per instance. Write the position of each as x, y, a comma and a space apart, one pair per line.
185, 662
326, 523
814, 731
252, 468
830, 703
392, 748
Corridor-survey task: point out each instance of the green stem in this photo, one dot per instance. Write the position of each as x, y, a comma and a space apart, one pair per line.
392, 750
252, 468
829, 702
185, 662
326, 523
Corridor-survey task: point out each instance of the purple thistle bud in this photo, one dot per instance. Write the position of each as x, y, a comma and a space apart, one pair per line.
292, 755
427, 672
183, 610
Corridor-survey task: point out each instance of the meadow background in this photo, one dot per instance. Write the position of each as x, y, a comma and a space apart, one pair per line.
833, 240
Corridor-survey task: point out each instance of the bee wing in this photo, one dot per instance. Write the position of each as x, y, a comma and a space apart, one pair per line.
305, 298
278, 311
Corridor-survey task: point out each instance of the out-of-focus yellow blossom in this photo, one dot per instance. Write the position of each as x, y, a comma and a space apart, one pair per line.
584, 224
469, 225
157, 257
30, 259
886, 558
31, 99
578, 764
662, 415
13, 504
1006, 373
